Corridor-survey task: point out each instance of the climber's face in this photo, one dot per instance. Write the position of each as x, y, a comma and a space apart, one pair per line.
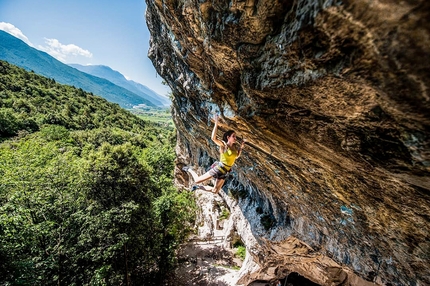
232, 138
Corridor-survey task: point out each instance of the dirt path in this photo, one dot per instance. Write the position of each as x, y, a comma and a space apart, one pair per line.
206, 263
205, 259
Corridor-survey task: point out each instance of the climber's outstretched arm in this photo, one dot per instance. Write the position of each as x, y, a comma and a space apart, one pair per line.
213, 137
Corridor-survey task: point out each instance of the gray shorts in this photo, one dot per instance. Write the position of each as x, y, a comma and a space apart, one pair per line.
218, 171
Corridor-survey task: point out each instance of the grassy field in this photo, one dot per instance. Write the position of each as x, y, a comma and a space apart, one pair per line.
162, 116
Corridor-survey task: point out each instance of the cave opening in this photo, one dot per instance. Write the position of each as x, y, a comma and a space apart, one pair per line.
295, 279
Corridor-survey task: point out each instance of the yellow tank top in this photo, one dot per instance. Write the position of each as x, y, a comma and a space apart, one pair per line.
228, 157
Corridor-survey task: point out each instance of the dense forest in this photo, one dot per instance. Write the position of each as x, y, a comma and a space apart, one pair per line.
86, 189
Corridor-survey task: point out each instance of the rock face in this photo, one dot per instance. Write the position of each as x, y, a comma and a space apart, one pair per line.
333, 98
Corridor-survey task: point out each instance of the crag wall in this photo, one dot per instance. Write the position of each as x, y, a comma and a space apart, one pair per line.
334, 100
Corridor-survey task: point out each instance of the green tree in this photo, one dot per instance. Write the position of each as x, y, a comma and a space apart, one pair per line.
86, 189
9, 124
41, 193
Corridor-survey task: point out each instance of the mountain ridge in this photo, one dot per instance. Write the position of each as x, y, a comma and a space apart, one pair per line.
119, 79
17, 52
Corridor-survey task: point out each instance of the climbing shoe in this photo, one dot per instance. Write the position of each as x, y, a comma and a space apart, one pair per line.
185, 168
195, 187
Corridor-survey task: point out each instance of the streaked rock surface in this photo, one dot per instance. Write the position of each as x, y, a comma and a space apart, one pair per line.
333, 98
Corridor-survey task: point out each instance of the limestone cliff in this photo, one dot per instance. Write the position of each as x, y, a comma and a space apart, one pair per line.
333, 98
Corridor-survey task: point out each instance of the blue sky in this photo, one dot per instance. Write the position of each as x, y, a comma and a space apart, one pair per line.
98, 32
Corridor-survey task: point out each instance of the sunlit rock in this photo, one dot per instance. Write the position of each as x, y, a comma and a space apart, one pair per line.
333, 98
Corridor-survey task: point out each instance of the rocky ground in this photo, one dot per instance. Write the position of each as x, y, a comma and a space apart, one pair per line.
207, 258
206, 263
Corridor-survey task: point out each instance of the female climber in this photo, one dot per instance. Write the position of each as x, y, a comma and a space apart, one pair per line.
219, 170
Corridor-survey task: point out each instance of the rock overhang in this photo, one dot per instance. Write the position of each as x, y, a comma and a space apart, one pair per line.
333, 100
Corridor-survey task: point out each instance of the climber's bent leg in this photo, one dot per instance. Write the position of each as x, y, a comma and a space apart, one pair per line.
218, 185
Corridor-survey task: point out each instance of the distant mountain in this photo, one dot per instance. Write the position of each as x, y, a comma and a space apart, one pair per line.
120, 80
16, 52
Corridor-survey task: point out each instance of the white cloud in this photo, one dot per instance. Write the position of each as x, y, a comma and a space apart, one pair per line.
14, 31
64, 53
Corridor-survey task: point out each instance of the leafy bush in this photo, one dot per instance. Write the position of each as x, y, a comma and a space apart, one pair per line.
241, 252
240, 248
225, 213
